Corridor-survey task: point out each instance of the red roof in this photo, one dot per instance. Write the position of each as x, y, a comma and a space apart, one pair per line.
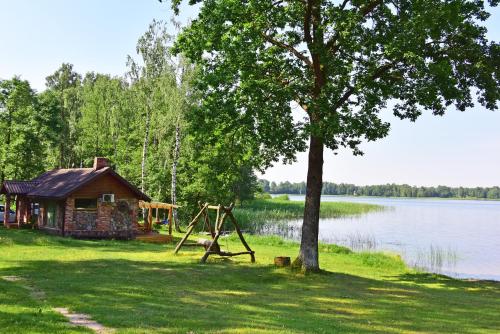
17, 187
60, 183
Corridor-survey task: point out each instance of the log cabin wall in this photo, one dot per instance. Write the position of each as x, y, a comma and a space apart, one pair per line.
104, 185
107, 220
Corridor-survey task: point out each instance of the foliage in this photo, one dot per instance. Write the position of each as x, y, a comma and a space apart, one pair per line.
65, 83
22, 130
258, 55
143, 288
340, 62
133, 121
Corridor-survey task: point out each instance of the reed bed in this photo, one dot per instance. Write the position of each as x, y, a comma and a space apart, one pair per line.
256, 213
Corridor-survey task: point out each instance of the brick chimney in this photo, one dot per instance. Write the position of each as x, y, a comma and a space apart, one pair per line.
100, 163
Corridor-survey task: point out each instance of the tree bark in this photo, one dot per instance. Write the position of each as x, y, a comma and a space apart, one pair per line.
177, 148
308, 255
145, 149
62, 138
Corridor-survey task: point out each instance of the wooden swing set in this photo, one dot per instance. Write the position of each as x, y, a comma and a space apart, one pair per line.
212, 246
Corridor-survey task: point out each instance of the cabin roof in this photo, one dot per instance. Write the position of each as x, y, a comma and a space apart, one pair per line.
17, 187
59, 183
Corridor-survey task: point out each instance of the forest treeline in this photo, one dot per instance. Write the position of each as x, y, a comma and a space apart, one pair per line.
145, 122
384, 190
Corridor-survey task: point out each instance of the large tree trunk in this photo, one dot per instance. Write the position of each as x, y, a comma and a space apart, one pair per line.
308, 256
174, 173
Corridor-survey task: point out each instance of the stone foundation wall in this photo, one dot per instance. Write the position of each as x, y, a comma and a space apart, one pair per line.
110, 220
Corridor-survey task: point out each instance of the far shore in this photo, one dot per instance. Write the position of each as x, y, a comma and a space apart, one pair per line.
401, 197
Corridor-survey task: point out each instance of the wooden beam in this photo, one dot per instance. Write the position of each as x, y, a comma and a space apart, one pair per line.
157, 205
224, 253
190, 228
238, 231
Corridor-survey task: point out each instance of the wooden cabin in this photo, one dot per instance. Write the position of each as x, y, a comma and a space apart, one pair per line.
80, 202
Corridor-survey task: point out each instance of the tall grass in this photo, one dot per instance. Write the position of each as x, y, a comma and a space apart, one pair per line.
254, 214
434, 259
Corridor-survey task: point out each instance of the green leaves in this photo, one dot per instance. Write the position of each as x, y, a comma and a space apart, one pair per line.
341, 62
21, 130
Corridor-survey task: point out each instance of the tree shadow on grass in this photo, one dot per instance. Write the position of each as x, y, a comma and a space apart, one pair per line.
178, 297
39, 238
450, 282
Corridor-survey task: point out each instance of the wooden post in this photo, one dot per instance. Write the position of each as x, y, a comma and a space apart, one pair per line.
150, 219
174, 221
157, 219
238, 231
18, 213
6, 212
208, 225
218, 229
28, 211
190, 228
170, 221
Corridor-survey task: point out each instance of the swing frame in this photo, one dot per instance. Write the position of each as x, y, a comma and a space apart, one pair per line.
213, 248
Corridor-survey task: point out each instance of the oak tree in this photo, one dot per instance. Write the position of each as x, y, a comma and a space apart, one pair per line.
341, 62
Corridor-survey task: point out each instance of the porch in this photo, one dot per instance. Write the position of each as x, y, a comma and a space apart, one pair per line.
25, 208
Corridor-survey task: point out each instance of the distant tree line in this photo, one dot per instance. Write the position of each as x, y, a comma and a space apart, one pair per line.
384, 190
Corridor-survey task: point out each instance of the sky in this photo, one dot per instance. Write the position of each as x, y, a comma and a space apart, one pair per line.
458, 149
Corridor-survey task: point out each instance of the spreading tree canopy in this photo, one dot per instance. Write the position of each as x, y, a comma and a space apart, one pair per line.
341, 62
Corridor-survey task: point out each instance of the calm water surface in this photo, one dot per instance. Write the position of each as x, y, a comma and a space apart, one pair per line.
460, 238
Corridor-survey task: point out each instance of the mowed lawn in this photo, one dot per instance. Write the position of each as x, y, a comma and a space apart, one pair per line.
134, 287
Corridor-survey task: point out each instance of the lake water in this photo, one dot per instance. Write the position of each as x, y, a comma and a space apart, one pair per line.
460, 238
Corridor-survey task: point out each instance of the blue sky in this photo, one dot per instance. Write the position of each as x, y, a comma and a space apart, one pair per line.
95, 35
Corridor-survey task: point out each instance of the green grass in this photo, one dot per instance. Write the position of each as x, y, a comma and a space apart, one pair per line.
143, 288
258, 212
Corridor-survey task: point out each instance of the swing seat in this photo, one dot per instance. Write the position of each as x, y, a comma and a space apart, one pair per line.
206, 244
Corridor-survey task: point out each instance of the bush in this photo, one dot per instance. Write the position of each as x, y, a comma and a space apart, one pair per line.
282, 198
263, 196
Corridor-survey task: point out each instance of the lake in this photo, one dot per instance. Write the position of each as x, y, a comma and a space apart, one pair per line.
459, 238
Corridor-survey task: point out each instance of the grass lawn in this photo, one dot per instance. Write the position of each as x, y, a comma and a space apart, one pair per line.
143, 288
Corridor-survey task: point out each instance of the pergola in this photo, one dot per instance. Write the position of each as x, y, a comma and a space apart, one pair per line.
150, 206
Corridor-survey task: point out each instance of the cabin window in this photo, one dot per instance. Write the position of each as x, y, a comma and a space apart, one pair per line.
51, 215
86, 203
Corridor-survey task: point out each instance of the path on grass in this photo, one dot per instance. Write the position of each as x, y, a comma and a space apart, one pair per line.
75, 319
